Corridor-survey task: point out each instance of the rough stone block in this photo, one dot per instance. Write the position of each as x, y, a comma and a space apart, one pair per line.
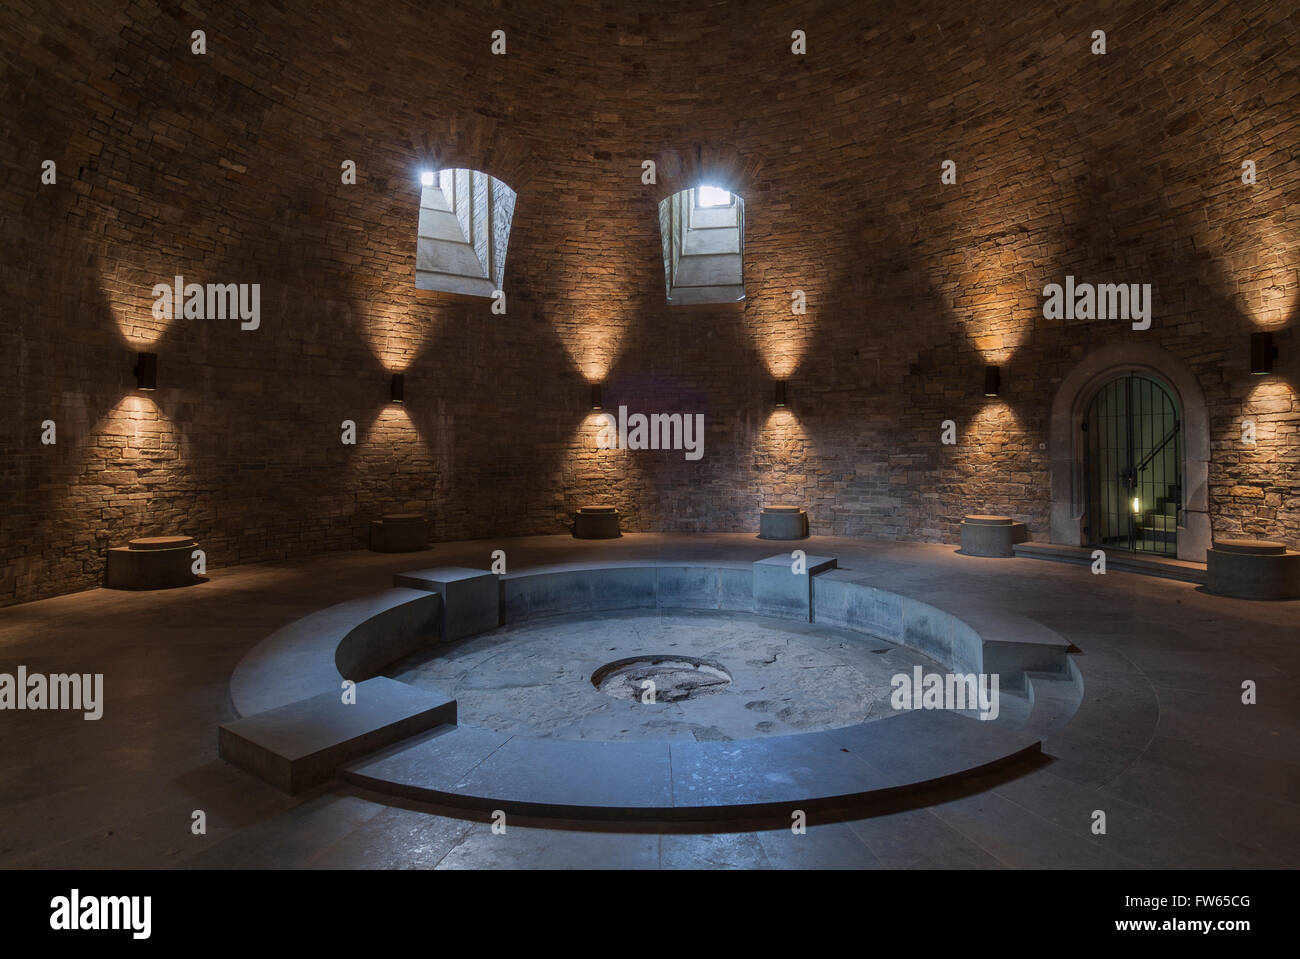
596, 522
1252, 569
782, 522
152, 562
985, 535
399, 533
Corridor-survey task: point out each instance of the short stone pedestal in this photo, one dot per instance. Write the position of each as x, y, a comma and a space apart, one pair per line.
1252, 569
152, 562
986, 535
471, 598
596, 522
782, 522
399, 533
783, 587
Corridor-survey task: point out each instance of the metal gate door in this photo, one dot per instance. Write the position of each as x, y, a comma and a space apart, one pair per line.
1133, 463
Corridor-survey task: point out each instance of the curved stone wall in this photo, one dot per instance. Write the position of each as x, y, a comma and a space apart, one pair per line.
225, 168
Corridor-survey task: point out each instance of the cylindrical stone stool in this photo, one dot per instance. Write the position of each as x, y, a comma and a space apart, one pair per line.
399, 533
596, 522
1252, 569
782, 522
986, 535
152, 562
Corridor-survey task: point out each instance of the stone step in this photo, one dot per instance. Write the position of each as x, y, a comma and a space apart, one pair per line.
1116, 560
693, 295
445, 256
722, 269
301, 745
713, 218
881, 761
452, 283
441, 225
700, 242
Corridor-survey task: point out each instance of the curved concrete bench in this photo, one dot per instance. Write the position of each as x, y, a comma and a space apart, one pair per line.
308, 658
353, 640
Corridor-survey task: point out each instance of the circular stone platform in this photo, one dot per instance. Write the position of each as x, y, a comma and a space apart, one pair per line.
535, 679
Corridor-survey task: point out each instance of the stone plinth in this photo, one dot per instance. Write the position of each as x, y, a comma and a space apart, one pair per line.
596, 522
1252, 569
152, 562
399, 533
471, 598
986, 535
781, 591
300, 745
782, 522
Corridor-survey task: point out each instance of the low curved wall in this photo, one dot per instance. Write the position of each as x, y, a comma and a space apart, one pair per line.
359, 638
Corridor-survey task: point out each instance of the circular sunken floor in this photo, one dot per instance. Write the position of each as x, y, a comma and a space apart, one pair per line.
718, 676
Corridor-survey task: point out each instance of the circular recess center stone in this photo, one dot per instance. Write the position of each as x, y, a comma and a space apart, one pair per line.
660, 679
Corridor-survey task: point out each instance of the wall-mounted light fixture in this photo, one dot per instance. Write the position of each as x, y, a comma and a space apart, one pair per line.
399, 388
780, 392
146, 371
1263, 351
426, 178
992, 381
597, 397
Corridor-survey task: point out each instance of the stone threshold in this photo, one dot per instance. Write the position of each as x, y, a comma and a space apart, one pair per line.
1146, 565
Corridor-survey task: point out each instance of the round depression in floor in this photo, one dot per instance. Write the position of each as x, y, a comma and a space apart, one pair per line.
651, 680
537, 678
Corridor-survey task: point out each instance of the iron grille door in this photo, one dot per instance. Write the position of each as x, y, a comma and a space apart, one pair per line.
1133, 467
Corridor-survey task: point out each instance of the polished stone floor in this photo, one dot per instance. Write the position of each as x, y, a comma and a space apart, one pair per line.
1185, 773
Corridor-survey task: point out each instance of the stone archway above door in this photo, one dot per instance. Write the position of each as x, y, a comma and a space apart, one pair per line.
1066, 451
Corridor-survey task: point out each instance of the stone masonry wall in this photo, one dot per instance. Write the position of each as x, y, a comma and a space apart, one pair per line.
226, 168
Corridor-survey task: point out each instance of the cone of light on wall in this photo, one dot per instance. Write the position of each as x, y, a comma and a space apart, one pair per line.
597, 399
1263, 352
399, 388
780, 392
146, 371
992, 381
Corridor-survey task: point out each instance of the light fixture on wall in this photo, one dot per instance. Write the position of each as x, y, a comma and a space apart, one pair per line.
146, 371
992, 381
399, 388
426, 178
1263, 351
597, 397
780, 392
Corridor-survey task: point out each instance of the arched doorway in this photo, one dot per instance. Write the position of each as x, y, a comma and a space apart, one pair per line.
1071, 489
1132, 458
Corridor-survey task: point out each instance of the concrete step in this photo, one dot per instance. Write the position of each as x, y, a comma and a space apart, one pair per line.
441, 225
693, 295
704, 242
451, 283
302, 744
713, 218
433, 198
445, 256
1116, 560
721, 269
